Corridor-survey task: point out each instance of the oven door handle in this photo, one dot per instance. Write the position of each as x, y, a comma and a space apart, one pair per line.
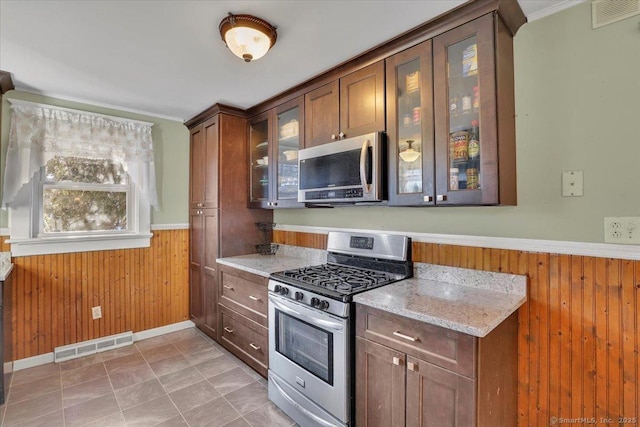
363, 166
299, 407
321, 323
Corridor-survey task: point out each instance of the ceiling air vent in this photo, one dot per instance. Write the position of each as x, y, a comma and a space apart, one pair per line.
605, 12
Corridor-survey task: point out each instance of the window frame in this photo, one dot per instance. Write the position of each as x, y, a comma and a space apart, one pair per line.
26, 221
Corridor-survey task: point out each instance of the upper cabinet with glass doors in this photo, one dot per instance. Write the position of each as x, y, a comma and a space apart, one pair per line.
275, 137
452, 134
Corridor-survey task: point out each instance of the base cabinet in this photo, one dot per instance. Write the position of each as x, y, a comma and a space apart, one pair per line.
412, 374
243, 321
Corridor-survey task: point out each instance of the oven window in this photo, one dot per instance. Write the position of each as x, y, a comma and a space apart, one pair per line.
306, 345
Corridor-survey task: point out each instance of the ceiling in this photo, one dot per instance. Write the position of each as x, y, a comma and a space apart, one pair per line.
166, 58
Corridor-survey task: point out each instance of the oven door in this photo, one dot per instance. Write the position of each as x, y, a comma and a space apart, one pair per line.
309, 350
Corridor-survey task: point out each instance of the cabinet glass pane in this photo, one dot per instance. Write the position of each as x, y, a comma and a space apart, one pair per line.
409, 147
259, 145
464, 115
288, 145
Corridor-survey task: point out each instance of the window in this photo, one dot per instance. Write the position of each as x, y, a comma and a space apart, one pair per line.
77, 181
83, 196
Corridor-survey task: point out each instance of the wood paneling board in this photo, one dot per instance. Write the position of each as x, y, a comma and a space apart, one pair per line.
578, 332
138, 289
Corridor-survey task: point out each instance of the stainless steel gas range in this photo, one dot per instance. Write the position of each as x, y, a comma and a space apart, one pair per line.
311, 325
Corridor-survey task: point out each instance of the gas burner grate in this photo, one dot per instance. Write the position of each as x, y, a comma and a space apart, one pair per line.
345, 280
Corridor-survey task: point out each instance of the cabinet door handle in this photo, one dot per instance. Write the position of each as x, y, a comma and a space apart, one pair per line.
441, 197
274, 204
396, 361
427, 198
405, 337
342, 135
412, 366
255, 347
228, 329
251, 297
227, 287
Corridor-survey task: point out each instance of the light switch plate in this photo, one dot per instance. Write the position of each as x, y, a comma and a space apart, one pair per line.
624, 230
572, 184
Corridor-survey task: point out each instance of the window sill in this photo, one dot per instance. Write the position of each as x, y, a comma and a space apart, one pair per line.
62, 245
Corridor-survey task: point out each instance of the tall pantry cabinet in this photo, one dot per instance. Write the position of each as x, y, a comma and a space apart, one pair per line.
220, 223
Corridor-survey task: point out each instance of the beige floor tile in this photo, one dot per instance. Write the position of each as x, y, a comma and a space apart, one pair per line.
113, 420
215, 413
199, 356
215, 366
195, 395
119, 352
170, 364
27, 375
152, 342
239, 422
91, 410
231, 380
159, 353
151, 413
34, 388
180, 379
86, 391
80, 362
182, 335
32, 408
174, 422
84, 374
138, 394
136, 375
193, 344
268, 415
124, 363
248, 398
55, 419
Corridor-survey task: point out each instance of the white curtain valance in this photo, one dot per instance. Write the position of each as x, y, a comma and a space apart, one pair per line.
38, 133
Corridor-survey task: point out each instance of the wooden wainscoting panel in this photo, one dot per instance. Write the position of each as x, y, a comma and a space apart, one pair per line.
578, 333
138, 289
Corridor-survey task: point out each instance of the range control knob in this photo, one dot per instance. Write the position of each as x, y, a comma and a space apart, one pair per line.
324, 304
298, 296
284, 291
277, 288
315, 302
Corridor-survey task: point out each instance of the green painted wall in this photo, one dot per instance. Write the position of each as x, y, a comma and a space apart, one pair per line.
171, 152
578, 108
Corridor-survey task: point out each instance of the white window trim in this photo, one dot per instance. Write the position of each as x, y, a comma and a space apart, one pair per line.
24, 219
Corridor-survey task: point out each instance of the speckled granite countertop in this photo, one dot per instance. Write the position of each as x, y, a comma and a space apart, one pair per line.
288, 257
469, 301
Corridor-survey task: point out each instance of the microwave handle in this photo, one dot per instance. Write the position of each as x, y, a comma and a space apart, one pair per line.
363, 169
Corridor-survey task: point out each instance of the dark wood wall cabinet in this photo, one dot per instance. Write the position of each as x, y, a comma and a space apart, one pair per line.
243, 316
220, 222
410, 373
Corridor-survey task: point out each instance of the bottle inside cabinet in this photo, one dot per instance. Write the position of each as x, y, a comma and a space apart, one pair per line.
259, 150
409, 167
464, 115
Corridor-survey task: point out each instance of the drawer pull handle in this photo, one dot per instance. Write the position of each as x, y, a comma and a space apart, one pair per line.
412, 366
255, 347
228, 329
227, 287
406, 337
396, 361
254, 298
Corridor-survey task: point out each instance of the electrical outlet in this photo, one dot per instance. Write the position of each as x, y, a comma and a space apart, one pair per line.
622, 230
96, 312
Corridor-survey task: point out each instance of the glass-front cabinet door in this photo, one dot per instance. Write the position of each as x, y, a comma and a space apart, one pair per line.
259, 143
410, 126
465, 100
288, 139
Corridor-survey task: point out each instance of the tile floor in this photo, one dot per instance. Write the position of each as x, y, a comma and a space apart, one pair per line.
179, 379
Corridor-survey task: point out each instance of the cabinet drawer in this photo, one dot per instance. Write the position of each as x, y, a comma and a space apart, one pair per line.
245, 293
442, 347
246, 339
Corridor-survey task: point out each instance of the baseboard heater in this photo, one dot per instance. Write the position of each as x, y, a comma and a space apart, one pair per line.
85, 348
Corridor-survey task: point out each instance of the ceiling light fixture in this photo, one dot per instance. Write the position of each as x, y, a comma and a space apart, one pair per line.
247, 37
409, 155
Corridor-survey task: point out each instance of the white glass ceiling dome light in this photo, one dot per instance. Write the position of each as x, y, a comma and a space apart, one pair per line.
247, 37
409, 155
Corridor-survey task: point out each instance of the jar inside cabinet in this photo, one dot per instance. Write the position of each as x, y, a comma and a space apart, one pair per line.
463, 91
288, 138
259, 157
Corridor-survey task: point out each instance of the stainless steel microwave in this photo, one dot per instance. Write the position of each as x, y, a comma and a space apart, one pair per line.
346, 171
